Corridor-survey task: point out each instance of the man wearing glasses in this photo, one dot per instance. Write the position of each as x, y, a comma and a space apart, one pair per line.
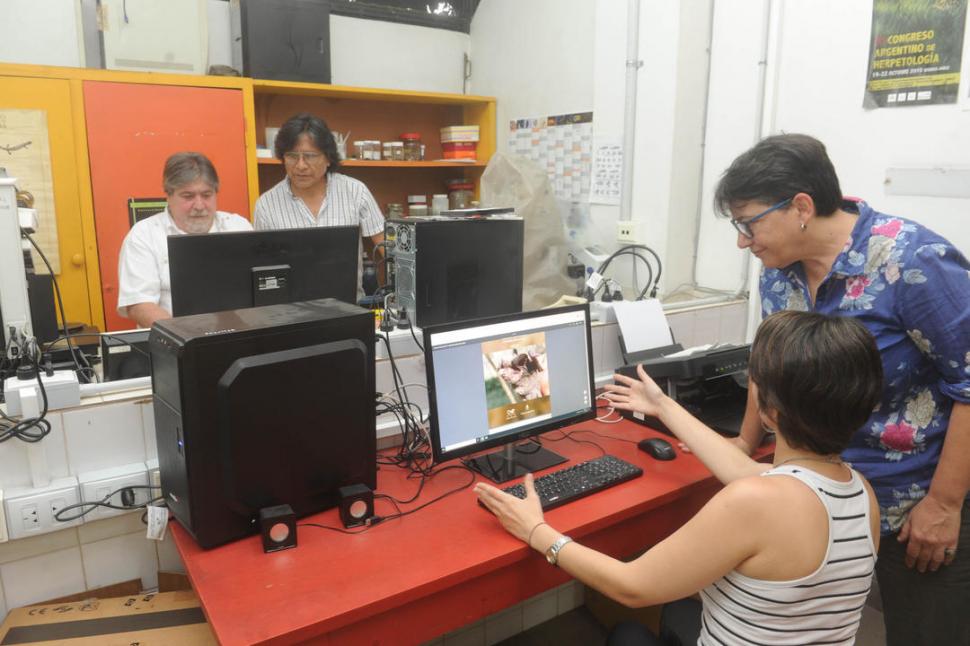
313, 194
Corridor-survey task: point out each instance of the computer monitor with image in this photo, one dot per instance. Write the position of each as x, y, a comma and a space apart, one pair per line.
495, 381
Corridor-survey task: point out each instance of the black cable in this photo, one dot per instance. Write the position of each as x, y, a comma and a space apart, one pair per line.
60, 302
92, 505
415, 337
375, 520
655, 280
30, 429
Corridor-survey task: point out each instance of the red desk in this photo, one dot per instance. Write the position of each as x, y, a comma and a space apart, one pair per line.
414, 578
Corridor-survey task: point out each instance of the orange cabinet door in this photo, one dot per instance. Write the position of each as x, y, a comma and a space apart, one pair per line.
132, 129
51, 175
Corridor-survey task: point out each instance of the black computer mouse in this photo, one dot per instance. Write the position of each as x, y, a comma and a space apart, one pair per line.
657, 448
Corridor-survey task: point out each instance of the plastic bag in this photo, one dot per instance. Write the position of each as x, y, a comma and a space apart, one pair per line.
521, 183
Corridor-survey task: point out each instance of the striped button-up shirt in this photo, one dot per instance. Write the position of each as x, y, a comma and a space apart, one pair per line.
347, 202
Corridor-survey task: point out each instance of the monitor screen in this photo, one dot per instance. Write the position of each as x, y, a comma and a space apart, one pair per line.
215, 272
498, 380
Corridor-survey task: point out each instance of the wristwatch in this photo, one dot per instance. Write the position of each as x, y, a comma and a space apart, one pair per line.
552, 554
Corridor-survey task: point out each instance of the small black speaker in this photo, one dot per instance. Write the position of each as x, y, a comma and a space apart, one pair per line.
278, 528
356, 505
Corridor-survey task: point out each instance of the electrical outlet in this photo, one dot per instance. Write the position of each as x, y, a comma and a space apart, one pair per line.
154, 477
626, 231
96, 485
31, 511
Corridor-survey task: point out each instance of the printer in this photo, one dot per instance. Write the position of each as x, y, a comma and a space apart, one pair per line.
709, 381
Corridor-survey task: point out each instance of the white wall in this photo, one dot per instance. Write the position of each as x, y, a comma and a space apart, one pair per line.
44, 33
535, 57
553, 57
818, 90
372, 53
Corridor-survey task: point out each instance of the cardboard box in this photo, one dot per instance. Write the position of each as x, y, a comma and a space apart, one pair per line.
147, 619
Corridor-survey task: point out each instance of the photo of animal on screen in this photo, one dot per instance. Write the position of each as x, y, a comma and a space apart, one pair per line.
516, 379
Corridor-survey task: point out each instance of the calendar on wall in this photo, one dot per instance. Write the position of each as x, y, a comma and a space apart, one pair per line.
562, 144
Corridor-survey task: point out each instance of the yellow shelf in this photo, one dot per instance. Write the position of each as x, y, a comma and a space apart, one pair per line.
360, 163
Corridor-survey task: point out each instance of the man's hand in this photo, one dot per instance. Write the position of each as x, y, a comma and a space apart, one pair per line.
932, 530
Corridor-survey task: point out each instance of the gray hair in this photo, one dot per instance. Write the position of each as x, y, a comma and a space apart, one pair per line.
187, 167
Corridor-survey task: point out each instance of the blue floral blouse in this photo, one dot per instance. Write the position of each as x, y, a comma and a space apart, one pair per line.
911, 289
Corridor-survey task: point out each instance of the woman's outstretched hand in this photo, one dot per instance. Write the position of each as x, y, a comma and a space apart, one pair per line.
639, 395
518, 516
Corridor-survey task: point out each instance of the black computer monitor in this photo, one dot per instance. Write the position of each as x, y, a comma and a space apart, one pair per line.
214, 272
495, 381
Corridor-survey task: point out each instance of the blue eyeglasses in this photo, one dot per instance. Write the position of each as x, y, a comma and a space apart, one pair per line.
744, 226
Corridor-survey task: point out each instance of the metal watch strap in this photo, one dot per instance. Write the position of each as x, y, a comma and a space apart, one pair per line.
552, 554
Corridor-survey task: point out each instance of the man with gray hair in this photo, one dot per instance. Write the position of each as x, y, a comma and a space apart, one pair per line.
191, 185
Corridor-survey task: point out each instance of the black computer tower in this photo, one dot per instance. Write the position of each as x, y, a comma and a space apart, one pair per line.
261, 407
125, 355
452, 269
282, 40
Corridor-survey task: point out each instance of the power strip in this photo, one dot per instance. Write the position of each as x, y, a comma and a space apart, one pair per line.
63, 390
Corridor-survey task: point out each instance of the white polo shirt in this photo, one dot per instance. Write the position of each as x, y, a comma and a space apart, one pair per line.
347, 202
143, 264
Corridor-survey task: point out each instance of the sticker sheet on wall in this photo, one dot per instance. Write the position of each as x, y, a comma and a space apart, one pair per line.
25, 153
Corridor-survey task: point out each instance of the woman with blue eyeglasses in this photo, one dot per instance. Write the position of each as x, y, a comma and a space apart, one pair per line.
911, 289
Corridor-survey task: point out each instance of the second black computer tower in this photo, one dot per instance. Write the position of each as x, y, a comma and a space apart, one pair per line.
262, 407
452, 269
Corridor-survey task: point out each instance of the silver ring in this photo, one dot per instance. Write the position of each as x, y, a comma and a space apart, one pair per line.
948, 552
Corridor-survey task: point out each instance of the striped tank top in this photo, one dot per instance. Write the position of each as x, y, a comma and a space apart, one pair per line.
824, 607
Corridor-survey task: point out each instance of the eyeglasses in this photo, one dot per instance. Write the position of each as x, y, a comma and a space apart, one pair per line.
311, 159
744, 226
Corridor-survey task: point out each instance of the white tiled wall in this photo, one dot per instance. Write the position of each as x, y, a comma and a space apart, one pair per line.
104, 436
14, 469
54, 574
120, 430
103, 433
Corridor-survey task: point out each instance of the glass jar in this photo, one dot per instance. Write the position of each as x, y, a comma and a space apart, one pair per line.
360, 148
411, 144
439, 203
397, 150
395, 210
460, 193
388, 150
417, 205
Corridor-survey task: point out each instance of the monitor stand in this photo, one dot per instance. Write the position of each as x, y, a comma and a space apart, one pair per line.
514, 461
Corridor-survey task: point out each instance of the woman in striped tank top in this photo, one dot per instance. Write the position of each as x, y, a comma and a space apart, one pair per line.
782, 559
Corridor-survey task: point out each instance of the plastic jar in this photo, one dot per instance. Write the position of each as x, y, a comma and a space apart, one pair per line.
411, 144
460, 193
388, 149
395, 210
360, 149
397, 150
439, 203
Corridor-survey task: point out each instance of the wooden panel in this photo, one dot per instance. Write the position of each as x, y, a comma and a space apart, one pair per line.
132, 129
54, 97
